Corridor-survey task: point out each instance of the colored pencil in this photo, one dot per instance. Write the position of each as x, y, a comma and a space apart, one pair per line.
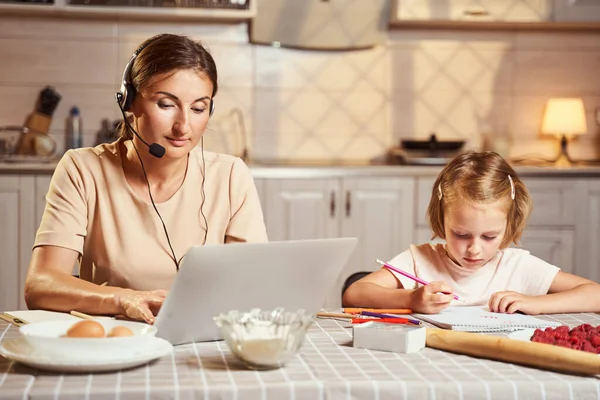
378, 315
379, 310
335, 315
387, 320
406, 274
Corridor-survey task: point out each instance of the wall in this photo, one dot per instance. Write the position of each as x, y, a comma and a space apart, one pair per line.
320, 105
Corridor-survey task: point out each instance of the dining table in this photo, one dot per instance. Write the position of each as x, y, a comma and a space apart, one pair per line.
327, 366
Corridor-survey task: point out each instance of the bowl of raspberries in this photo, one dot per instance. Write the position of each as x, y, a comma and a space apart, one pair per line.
583, 337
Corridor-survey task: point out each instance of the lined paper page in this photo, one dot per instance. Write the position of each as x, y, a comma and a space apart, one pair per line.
480, 319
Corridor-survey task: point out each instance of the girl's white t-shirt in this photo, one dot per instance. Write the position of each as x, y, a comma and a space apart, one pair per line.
509, 270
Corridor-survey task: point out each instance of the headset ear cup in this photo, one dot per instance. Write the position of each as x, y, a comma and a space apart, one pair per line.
128, 97
212, 108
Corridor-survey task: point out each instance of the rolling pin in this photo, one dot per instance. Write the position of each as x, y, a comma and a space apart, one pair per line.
539, 355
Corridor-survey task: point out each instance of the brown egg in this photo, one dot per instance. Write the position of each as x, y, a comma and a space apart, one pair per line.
86, 329
118, 331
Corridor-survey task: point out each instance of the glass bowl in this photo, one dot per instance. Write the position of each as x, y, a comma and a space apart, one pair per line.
264, 339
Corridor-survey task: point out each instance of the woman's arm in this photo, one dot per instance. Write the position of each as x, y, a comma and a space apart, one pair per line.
50, 285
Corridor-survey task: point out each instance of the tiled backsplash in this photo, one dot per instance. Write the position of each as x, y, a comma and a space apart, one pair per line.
320, 105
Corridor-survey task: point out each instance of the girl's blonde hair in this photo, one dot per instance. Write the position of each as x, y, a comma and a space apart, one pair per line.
483, 178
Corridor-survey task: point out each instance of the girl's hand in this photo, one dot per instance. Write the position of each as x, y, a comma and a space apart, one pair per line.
510, 302
432, 298
140, 305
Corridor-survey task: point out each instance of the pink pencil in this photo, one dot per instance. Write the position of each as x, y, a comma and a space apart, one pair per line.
406, 274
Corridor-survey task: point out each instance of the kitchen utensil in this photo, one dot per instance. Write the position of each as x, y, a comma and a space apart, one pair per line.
433, 144
539, 355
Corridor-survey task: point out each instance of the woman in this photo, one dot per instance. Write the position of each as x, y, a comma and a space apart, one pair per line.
129, 210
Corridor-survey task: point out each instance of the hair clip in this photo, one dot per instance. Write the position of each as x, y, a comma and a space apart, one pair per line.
512, 188
440, 191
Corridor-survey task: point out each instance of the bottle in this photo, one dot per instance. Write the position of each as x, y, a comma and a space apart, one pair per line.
74, 129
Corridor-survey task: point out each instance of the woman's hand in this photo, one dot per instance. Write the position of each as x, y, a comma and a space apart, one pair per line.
510, 302
432, 298
140, 305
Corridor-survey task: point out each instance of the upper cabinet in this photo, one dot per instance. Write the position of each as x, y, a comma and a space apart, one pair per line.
497, 14
469, 10
576, 10
198, 10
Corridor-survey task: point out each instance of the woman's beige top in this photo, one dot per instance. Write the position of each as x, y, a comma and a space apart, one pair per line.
90, 208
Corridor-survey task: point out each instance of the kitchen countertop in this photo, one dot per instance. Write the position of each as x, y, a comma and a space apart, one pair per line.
292, 170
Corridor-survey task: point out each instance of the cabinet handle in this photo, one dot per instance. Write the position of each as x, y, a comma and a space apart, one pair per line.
476, 13
332, 204
348, 203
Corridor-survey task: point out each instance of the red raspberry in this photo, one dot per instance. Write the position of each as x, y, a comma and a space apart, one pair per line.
579, 334
587, 346
575, 340
561, 336
586, 327
595, 341
549, 330
546, 340
562, 329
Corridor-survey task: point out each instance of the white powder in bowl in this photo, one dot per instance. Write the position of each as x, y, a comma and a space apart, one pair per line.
263, 351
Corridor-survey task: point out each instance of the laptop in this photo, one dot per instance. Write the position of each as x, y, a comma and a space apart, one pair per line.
296, 274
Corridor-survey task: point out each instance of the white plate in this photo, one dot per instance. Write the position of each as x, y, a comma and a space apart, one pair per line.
524, 334
48, 337
21, 351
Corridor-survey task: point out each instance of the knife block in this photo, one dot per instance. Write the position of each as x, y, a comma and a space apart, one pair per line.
36, 124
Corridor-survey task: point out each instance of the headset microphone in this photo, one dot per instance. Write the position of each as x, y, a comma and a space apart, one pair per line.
155, 149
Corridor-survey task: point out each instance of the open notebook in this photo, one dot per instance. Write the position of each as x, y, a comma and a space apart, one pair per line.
479, 319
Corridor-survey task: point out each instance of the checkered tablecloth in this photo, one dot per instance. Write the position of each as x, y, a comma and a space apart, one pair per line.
327, 367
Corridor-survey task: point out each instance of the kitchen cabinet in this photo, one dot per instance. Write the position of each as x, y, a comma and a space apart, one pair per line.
468, 10
385, 210
587, 248
576, 11
195, 10
377, 210
17, 198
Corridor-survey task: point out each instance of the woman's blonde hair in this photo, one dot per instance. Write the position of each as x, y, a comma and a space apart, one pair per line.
483, 178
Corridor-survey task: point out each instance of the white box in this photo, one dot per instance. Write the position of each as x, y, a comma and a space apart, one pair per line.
398, 338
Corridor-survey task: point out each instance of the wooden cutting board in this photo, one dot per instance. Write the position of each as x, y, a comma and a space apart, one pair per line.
539, 355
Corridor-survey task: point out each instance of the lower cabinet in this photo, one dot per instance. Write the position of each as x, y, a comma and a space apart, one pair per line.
16, 237
379, 211
386, 214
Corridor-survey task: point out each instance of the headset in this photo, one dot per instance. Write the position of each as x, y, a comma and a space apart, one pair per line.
125, 97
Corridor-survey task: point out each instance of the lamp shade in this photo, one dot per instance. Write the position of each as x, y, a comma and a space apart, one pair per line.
564, 116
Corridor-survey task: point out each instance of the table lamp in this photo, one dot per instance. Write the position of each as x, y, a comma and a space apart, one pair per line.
565, 118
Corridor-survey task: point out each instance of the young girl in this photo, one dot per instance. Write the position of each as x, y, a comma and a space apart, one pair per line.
479, 206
